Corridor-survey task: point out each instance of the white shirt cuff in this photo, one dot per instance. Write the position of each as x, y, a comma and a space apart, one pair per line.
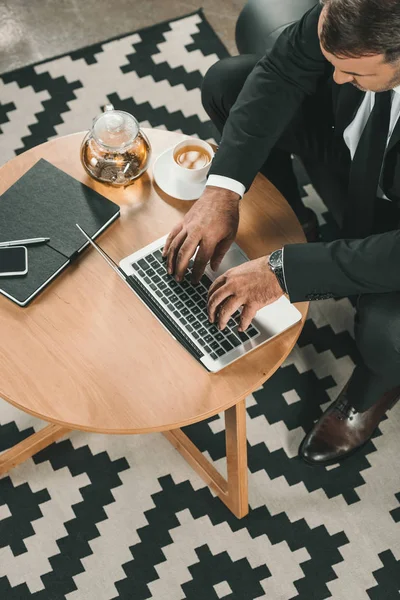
227, 183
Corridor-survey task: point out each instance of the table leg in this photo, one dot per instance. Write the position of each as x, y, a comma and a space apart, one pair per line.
30, 446
233, 491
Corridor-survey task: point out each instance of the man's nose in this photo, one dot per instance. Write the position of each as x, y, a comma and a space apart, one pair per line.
341, 78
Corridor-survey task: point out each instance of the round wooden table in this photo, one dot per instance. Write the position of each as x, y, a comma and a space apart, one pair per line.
87, 354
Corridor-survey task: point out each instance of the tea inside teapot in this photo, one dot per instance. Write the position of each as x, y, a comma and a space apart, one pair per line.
115, 151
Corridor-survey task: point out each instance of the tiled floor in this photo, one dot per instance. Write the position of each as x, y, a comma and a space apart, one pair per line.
32, 30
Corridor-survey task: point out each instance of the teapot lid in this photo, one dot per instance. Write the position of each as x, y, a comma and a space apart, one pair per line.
115, 129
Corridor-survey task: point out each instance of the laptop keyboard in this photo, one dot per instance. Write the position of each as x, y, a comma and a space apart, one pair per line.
188, 304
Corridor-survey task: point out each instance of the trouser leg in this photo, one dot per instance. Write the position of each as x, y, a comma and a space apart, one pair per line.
377, 333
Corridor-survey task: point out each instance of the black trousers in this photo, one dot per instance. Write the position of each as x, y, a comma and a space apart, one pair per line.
310, 136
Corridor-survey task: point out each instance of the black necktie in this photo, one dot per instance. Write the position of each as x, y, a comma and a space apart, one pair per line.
366, 168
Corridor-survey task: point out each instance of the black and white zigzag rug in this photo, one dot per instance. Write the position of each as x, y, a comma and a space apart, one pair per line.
104, 518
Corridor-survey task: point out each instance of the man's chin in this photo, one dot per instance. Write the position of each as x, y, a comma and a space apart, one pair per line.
359, 87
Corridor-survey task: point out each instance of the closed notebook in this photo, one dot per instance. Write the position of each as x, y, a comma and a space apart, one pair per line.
47, 202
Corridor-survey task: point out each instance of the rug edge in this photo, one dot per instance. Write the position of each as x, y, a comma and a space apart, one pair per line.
199, 11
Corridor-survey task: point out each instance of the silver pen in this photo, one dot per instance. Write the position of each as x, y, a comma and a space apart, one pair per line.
24, 242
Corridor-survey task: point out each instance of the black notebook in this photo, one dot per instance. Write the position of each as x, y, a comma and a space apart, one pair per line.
46, 202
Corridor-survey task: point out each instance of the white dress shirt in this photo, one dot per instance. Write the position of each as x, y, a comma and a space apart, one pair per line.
351, 137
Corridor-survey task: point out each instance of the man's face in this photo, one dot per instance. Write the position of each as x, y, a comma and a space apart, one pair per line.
365, 73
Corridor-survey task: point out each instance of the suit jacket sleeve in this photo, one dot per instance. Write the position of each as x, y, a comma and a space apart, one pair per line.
269, 99
343, 267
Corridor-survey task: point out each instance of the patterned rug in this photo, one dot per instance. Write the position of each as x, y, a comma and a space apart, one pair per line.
98, 517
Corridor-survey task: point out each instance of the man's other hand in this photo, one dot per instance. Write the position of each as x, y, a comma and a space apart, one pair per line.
251, 285
211, 224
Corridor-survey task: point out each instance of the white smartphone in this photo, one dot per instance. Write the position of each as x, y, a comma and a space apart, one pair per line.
13, 261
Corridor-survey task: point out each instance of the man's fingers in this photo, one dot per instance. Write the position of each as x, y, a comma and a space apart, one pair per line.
200, 262
220, 250
248, 314
216, 299
183, 256
173, 251
174, 232
227, 309
216, 284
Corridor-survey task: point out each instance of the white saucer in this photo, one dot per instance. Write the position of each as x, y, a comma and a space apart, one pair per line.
164, 178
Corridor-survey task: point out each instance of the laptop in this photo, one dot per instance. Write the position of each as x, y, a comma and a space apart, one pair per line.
182, 307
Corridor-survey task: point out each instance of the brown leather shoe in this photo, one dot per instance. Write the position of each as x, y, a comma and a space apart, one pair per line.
342, 430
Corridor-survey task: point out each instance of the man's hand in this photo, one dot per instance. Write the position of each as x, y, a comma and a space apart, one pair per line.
211, 224
251, 285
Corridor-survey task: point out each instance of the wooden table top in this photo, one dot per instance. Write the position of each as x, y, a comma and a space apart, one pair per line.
88, 354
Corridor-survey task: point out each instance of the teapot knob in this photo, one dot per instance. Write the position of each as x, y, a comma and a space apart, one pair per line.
108, 107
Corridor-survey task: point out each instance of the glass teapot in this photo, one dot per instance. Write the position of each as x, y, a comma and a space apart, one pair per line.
115, 150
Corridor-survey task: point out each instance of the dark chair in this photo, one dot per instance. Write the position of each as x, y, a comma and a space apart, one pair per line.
258, 26
261, 21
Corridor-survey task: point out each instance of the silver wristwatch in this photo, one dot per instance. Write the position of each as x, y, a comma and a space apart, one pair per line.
275, 263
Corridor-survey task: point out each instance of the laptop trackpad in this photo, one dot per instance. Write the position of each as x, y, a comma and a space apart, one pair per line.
234, 257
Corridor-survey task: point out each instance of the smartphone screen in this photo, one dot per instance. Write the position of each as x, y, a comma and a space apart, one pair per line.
13, 261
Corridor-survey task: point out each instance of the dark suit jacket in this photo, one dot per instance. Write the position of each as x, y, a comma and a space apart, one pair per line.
270, 98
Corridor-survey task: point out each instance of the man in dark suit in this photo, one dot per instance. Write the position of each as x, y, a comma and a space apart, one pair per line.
327, 92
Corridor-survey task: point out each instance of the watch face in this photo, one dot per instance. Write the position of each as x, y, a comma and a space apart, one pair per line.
275, 260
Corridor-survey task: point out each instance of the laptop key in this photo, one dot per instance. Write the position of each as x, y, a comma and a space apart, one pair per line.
179, 305
196, 310
156, 279
162, 286
214, 356
252, 332
214, 345
220, 352
207, 349
153, 287
243, 336
164, 299
142, 264
191, 318
159, 294
203, 331
208, 339
226, 345
174, 298
189, 327
219, 336
206, 281
201, 342
158, 256
234, 340
195, 335
190, 304
185, 311
184, 298
168, 292
182, 320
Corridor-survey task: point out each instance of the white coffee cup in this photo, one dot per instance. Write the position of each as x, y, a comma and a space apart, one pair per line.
184, 163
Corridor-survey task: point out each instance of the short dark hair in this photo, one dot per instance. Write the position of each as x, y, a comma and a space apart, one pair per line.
355, 28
